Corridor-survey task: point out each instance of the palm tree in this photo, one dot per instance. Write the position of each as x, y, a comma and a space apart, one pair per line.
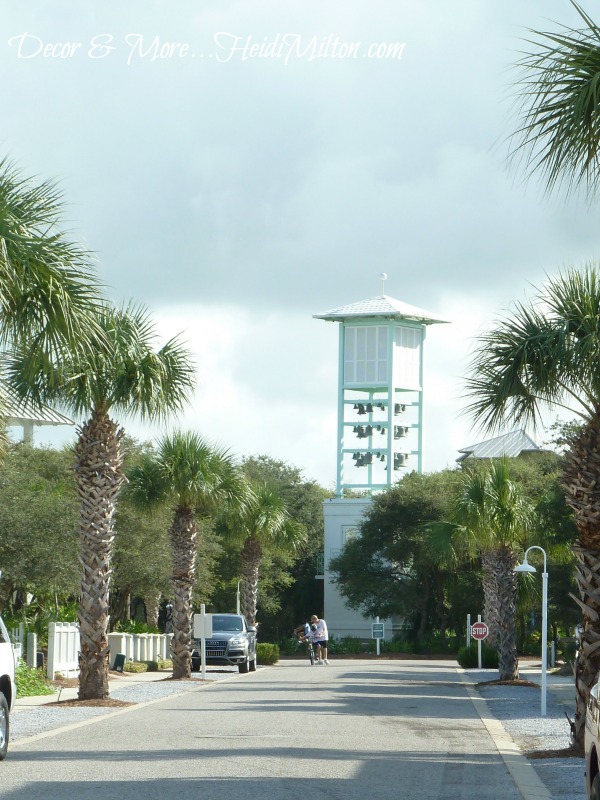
48, 290
493, 518
197, 480
559, 106
122, 374
263, 523
547, 354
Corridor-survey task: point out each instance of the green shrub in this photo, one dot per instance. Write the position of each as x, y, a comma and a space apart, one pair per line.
289, 647
31, 682
135, 666
467, 657
398, 646
267, 653
568, 648
350, 645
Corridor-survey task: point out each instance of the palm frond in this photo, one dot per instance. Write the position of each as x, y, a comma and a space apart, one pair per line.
147, 486
49, 291
202, 476
559, 106
120, 370
544, 354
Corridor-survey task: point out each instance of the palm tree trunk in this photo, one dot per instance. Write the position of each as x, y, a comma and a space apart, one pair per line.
99, 475
183, 547
581, 479
506, 588
490, 598
423, 604
151, 604
251, 556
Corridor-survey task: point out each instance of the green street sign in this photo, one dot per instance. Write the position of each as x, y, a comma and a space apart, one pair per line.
377, 630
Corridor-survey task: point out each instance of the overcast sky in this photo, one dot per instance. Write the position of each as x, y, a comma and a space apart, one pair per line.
240, 165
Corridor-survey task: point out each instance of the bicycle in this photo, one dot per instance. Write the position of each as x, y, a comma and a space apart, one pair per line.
303, 638
310, 651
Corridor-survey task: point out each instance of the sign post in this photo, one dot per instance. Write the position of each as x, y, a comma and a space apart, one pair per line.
377, 633
479, 631
203, 631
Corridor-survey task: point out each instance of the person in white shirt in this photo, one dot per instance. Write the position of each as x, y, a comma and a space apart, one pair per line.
321, 638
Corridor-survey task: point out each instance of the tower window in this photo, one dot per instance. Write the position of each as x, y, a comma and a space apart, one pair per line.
407, 358
365, 355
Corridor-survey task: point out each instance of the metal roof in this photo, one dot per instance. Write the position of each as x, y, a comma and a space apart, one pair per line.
382, 306
509, 444
18, 412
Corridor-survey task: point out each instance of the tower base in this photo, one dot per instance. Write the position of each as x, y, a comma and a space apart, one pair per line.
343, 516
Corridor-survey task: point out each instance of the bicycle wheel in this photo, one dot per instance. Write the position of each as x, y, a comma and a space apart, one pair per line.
311, 654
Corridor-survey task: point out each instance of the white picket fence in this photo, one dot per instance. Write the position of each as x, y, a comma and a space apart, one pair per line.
140, 646
63, 647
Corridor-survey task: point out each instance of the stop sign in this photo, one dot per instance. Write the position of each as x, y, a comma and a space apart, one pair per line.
479, 630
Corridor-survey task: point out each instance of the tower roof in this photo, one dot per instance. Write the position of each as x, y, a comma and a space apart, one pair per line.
382, 306
509, 444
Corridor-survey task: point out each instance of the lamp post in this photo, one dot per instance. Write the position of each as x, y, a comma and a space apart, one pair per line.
526, 567
238, 599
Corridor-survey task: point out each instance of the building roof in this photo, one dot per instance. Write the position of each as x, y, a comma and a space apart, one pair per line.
509, 444
18, 412
382, 306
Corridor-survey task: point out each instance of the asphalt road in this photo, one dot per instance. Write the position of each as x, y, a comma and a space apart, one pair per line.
355, 729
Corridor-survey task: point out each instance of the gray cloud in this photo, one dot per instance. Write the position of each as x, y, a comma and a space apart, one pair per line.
286, 188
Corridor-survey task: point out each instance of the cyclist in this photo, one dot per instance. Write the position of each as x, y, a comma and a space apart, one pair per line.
306, 633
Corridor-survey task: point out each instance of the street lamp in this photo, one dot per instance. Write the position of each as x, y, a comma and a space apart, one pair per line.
238, 603
526, 567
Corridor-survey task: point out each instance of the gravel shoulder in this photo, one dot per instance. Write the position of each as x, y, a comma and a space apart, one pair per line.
35, 715
518, 708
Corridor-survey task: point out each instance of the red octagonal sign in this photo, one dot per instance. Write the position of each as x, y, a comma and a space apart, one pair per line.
479, 630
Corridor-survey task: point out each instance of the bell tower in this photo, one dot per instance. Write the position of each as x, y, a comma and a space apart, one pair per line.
379, 427
380, 391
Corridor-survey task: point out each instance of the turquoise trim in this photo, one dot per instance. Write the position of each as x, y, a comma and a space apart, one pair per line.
369, 475
340, 426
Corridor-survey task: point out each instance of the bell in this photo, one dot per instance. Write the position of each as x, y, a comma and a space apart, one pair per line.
369, 408
361, 409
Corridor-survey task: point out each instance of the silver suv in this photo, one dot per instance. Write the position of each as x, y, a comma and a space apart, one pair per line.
8, 689
233, 642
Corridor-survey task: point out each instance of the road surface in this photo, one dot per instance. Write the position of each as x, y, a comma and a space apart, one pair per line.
354, 729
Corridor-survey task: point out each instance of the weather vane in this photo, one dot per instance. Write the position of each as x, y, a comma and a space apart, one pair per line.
383, 277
